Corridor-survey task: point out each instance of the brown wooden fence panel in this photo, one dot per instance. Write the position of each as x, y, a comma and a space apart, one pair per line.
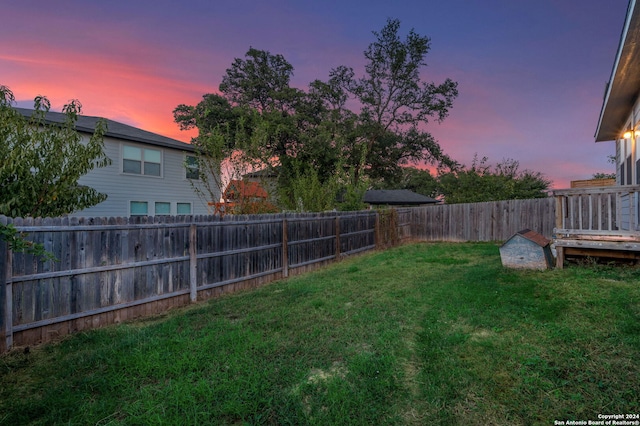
357, 232
489, 221
311, 238
6, 287
113, 269
388, 229
238, 248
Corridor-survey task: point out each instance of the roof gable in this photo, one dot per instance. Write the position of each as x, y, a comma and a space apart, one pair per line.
532, 236
87, 124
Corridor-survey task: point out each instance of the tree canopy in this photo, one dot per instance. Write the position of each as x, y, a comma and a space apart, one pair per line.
604, 175
482, 182
42, 162
417, 180
344, 132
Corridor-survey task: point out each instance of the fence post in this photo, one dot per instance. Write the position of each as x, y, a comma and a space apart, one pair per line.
193, 262
285, 249
6, 296
376, 231
337, 237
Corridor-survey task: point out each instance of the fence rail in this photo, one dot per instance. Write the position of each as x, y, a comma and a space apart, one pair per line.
110, 270
490, 221
599, 221
608, 210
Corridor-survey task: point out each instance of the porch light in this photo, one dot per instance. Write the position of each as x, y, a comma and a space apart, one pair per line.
630, 132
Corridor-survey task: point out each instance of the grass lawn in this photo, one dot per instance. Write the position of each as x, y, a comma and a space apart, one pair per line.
420, 334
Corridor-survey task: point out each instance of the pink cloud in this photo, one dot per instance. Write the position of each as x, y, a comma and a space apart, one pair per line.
134, 92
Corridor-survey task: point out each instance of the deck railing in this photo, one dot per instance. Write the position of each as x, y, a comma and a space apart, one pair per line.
609, 212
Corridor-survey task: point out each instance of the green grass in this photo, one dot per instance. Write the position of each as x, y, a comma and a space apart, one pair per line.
421, 334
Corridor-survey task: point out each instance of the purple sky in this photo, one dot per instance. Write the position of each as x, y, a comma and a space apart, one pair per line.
531, 75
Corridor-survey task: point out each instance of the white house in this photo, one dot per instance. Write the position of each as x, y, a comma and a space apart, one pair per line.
604, 221
147, 175
620, 115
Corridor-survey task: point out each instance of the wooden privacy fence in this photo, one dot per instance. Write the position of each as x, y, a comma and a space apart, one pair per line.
110, 270
394, 227
490, 221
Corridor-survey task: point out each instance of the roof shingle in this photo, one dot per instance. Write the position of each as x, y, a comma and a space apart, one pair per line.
87, 124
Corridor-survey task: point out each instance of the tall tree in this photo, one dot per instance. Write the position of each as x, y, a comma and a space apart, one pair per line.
264, 121
216, 160
260, 81
396, 104
345, 131
42, 162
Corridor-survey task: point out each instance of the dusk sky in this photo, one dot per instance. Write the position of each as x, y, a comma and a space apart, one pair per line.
531, 74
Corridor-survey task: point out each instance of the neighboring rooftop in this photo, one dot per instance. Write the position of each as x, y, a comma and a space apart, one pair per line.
87, 124
397, 197
238, 189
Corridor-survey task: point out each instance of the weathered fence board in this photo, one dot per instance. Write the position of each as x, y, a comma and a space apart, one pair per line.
110, 270
490, 221
114, 269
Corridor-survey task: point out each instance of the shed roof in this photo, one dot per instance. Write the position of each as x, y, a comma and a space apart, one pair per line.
532, 236
396, 197
87, 124
624, 84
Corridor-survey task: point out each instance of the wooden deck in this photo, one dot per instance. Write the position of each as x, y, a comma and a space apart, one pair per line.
598, 222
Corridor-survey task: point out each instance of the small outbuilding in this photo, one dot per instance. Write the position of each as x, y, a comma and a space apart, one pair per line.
527, 249
396, 197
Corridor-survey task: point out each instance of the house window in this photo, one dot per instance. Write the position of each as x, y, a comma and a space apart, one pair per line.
163, 208
138, 208
191, 165
183, 208
141, 161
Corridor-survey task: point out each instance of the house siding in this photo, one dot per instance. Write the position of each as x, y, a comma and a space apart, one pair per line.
627, 169
624, 213
626, 150
122, 188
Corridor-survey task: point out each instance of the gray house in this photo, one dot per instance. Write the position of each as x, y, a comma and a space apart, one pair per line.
147, 175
